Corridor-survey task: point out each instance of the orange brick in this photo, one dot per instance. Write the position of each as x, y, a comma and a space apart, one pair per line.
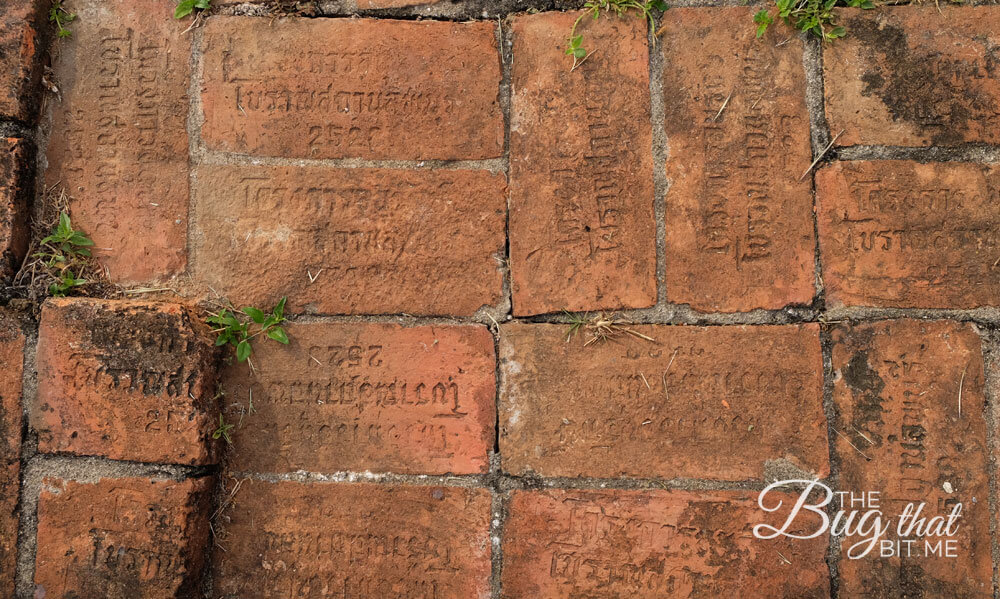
898, 388
739, 219
560, 544
126, 380
354, 540
582, 230
374, 240
685, 405
20, 50
119, 144
122, 537
915, 76
11, 357
385, 90
909, 235
15, 189
366, 396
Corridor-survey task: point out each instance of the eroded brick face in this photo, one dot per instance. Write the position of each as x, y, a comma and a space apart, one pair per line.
561, 544
909, 235
739, 215
291, 539
358, 241
913, 76
125, 380
366, 397
20, 51
898, 391
581, 224
119, 145
126, 538
14, 193
11, 359
386, 89
685, 405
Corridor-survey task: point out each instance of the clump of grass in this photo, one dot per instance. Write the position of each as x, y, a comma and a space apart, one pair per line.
601, 327
61, 17
63, 256
223, 431
815, 17
233, 327
594, 8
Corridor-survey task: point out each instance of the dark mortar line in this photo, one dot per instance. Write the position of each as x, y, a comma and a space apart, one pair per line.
990, 337
976, 153
831, 415
499, 513
73, 465
819, 134
660, 149
16, 128
25, 507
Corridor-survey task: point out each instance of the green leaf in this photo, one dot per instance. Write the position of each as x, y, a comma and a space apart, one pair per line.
243, 350
579, 53
279, 310
184, 9
257, 315
203, 4
278, 334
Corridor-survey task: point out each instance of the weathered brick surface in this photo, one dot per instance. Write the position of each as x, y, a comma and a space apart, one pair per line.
904, 234
582, 231
684, 406
899, 385
14, 194
11, 359
354, 540
20, 51
366, 397
739, 219
386, 90
375, 240
119, 144
560, 544
912, 76
125, 380
126, 538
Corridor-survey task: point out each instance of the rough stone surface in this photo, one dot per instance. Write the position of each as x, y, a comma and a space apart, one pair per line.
127, 538
11, 359
899, 385
374, 240
366, 397
582, 230
125, 380
739, 219
561, 544
14, 193
903, 234
291, 539
685, 405
119, 144
386, 90
915, 76
20, 51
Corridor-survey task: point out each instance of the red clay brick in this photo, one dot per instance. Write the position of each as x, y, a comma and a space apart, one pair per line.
122, 538
20, 51
560, 544
125, 380
374, 240
14, 193
739, 219
365, 396
11, 357
385, 90
582, 230
119, 144
685, 405
291, 539
909, 235
915, 76
898, 389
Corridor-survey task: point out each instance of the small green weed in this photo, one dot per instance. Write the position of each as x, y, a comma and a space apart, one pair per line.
232, 327
223, 430
815, 17
186, 7
593, 8
61, 17
64, 253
